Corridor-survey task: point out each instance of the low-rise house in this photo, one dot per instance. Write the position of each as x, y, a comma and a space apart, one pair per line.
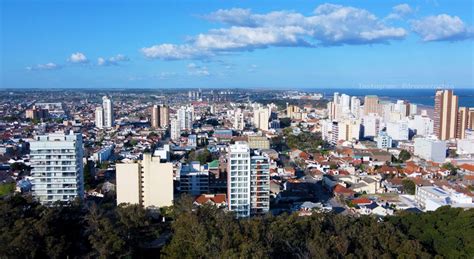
218, 200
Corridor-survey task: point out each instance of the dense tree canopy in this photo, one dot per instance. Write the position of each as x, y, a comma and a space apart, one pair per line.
28, 229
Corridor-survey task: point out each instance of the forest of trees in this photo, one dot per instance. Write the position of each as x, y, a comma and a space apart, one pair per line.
29, 230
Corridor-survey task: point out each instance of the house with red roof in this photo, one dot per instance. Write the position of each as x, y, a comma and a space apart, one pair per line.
218, 200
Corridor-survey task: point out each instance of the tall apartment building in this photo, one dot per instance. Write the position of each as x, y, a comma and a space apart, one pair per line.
445, 114
175, 129
164, 116
259, 185
57, 167
185, 118
148, 182
371, 105
291, 110
155, 116
463, 122
99, 117
160, 116
261, 118
108, 112
248, 181
355, 107
104, 116
470, 122
239, 122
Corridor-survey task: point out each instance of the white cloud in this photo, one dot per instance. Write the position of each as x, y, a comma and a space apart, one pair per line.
400, 11
442, 28
196, 70
330, 25
78, 58
339, 25
47, 66
174, 52
112, 61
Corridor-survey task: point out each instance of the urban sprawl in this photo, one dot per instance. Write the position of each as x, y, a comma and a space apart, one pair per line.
249, 152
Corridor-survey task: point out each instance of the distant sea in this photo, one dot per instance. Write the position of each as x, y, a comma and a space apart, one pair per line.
422, 97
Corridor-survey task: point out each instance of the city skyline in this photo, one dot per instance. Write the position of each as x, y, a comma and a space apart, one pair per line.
283, 45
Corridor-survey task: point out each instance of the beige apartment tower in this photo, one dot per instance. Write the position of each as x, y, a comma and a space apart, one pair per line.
160, 116
463, 122
155, 117
147, 182
371, 105
445, 114
164, 116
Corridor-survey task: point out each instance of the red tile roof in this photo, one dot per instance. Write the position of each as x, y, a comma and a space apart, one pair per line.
361, 201
467, 167
214, 198
342, 190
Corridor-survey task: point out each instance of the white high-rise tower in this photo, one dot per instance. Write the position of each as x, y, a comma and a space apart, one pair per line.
57, 167
108, 112
99, 117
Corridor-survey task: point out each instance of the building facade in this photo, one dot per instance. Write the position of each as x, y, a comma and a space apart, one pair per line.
57, 167
445, 114
248, 181
148, 182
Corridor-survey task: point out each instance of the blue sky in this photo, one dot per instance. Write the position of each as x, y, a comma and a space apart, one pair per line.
268, 44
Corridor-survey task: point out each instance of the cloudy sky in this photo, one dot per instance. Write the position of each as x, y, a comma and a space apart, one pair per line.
271, 44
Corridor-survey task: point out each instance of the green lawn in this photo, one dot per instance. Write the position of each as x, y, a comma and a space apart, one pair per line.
7, 188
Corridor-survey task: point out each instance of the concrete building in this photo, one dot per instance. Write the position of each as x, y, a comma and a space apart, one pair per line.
397, 130
371, 125
355, 107
430, 198
175, 129
422, 125
164, 116
104, 153
57, 167
384, 140
261, 118
258, 142
185, 118
239, 123
36, 113
371, 105
147, 182
160, 116
445, 114
99, 117
193, 179
259, 185
108, 112
430, 149
463, 122
155, 117
248, 181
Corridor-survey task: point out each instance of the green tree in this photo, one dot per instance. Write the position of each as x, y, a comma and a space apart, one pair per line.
408, 186
404, 155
